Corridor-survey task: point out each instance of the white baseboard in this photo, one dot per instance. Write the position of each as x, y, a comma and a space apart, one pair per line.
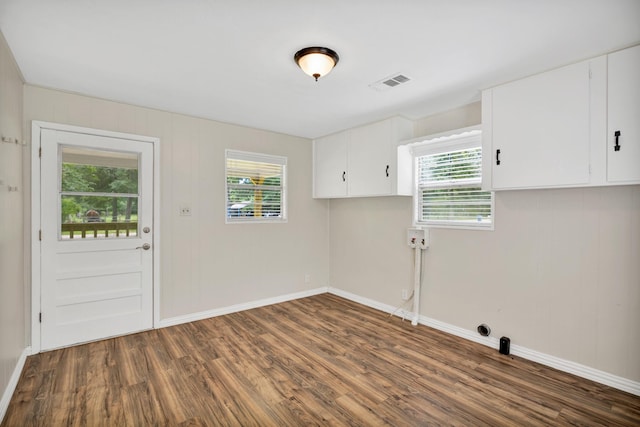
171, 321
574, 368
577, 369
13, 382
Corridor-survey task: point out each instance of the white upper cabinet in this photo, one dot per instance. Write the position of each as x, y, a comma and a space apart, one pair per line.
372, 156
330, 166
364, 161
536, 131
575, 126
623, 128
368, 157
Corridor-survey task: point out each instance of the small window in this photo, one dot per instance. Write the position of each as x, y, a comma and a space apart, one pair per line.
448, 178
256, 187
99, 192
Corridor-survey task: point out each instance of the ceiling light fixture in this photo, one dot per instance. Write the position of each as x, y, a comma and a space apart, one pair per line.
316, 61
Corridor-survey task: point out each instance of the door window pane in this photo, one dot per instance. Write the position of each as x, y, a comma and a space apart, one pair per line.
98, 194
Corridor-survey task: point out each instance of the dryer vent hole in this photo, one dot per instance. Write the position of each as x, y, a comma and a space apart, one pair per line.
484, 330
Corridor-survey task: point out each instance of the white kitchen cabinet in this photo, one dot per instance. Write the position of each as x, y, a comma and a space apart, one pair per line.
623, 125
561, 128
364, 161
368, 158
536, 131
372, 157
330, 166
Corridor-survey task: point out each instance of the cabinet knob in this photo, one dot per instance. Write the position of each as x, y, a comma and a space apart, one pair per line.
386, 171
498, 157
617, 146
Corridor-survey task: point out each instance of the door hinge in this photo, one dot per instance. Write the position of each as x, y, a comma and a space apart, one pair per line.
40, 152
40, 235
40, 317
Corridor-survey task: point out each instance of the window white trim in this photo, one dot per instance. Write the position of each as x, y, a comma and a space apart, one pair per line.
255, 157
463, 141
457, 140
448, 136
264, 164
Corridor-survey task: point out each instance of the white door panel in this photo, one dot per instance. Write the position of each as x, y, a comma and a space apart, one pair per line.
98, 284
540, 130
624, 116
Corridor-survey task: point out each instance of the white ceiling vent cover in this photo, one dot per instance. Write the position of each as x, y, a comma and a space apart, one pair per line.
391, 81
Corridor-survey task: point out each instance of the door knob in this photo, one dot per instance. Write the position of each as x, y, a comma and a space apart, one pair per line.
146, 247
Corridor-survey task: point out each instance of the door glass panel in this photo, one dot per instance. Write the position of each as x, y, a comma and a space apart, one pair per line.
98, 194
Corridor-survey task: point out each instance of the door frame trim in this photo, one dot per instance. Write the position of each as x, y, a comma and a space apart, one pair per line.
36, 283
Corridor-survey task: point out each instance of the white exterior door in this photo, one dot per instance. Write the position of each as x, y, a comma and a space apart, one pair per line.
96, 249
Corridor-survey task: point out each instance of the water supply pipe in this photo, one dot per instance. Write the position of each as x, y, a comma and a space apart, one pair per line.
417, 274
418, 239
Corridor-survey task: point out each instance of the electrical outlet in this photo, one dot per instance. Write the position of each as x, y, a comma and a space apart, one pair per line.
307, 278
185, 210
405, 294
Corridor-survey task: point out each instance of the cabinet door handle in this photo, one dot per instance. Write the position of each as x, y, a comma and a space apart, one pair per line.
498, 157
344, 176
386, 171
617, 146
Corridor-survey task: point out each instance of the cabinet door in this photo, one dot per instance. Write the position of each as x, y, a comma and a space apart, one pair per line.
330, 166
540, 130
623, 164
369, 160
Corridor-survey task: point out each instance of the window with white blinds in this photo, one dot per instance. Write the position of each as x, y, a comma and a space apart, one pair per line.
448, 173
256, 187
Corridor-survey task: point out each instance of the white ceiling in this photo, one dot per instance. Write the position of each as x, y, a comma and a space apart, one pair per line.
232, 61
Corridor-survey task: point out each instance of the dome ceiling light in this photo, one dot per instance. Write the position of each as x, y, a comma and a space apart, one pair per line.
316, 61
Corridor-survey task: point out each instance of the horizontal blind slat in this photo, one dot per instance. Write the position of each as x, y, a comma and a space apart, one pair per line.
450, 166
255, 186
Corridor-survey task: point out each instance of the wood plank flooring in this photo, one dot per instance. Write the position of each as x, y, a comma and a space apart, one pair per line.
315, 361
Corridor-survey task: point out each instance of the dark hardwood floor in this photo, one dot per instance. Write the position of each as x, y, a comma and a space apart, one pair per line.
315, 361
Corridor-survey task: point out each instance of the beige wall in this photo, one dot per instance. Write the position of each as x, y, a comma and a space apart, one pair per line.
205, 263
559, 275
12, 283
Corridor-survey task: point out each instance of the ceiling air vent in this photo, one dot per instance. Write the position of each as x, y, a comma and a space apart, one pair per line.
389, 82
